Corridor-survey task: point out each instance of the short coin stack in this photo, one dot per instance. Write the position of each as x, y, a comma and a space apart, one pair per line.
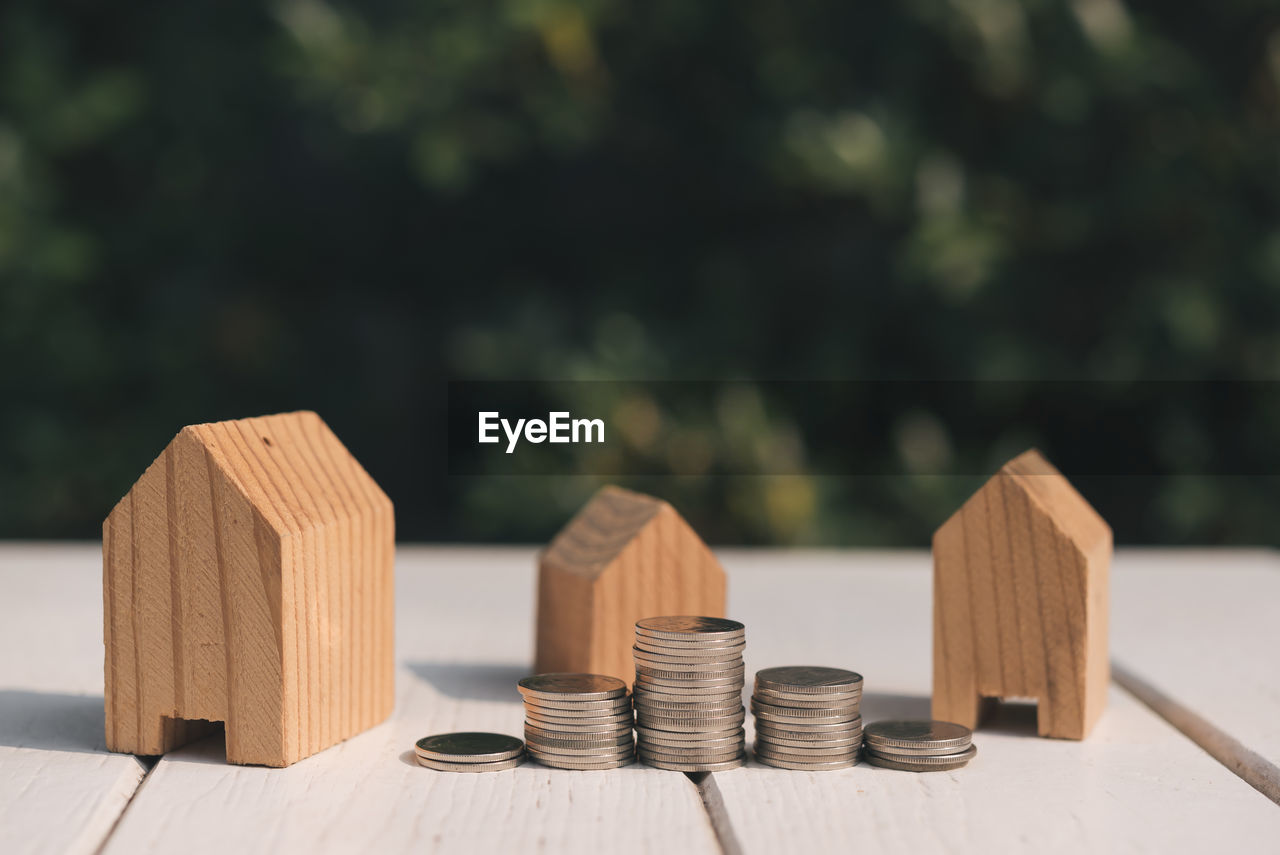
919, 746
807, 717
578, 721
469, 752
688, 693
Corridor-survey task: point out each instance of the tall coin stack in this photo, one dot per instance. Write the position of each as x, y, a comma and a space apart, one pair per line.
688, 693
807, 717
577, 721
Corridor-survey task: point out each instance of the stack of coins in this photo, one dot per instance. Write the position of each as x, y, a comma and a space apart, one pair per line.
807, 717
688, 693
469, 752
578, 721
919, 746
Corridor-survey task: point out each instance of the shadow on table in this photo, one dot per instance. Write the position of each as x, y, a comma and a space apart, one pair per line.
1015, 718
483, 681
52, 721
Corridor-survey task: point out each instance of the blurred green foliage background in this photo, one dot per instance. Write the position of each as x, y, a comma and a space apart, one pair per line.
212, 210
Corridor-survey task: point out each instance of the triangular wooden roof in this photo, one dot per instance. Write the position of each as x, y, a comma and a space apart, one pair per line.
291, 468
1052, 494
602, 530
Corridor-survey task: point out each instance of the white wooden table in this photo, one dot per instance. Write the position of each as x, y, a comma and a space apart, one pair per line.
1184, 760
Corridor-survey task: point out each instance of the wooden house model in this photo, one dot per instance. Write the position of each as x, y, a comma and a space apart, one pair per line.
623, 557
247, 580
1020, 601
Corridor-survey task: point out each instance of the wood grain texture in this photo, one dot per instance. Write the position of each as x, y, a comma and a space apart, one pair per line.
1136, 785
1200, 628
464, 639
623, 557
60, 790
248, 579
1021, 601
1133, 786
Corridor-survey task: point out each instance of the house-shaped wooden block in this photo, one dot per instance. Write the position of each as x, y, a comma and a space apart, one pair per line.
247, 579
1020, 601
625, 556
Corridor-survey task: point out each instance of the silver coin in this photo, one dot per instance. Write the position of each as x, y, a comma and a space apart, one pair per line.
589, 741
684, 754
688, 701
647, 683
577, 721
688, 697
665, 741
787, 744
657, 664
533, 732
469, 747
899, 752
496, 766
537, 730
714, 746
607, 750
784, 700
659, 677
584, 766
691, 642
697, 767
548, 722
688, 688
777, 718
578, 735
541, 748
922, 764
689, 626
643, 732
690, 756
821, 754
805, 765
696, 721
804, 712
674, 671
682, 708
724, 717
690, 648
813, 679
680, 675
652, 716
563, 712
828, 740
585, 687
854, 741
694, 725
918, 733
568, 702
800, 731
698, 731
599, 756
692, 674
691, 658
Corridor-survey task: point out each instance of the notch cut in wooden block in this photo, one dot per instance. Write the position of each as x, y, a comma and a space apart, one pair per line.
623, 557
248, 579
1020, 601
